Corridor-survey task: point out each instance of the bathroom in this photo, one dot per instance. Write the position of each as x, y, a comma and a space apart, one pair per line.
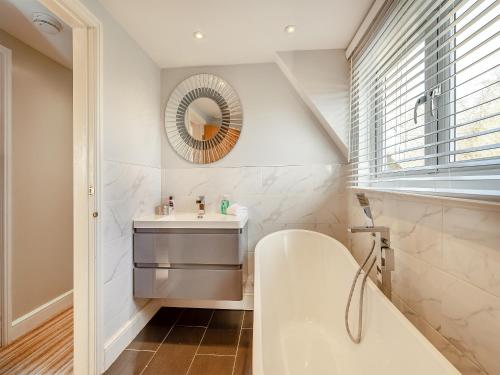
243, 160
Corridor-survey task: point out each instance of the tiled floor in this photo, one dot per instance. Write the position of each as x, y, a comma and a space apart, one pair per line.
190, 342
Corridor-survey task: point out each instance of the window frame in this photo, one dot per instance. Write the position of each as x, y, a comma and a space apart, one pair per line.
445, 103
393, 153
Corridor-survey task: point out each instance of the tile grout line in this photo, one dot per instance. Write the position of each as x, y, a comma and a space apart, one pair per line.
141, 350
188, 326
239, 341
215, 355
201, 340
441, 269
159, 346
472, 360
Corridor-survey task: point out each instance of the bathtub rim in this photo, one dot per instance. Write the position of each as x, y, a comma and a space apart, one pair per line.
257, 361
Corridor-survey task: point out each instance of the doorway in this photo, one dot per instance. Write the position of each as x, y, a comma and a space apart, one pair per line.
86, 119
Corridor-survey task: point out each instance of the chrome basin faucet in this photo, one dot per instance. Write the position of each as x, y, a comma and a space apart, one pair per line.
201, 206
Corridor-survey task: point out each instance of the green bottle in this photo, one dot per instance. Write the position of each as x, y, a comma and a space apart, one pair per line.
224, 204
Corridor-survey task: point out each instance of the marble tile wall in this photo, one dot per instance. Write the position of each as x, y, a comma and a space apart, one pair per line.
447, 277
278, 197
130, 190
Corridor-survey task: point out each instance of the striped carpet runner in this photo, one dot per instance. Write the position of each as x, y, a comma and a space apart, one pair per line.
46, 350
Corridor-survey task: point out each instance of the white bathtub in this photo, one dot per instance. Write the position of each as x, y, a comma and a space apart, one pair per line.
302, 281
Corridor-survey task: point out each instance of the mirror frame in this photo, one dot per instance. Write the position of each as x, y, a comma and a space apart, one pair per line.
203, 85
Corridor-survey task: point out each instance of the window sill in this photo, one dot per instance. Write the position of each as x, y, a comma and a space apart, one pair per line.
462, 200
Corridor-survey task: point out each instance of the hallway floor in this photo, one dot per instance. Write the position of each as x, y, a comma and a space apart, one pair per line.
46, 350
190, 342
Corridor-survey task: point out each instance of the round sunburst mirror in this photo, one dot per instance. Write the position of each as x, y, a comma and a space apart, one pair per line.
203, 118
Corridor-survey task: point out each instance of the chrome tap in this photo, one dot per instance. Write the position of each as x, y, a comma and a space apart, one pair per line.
385, 257
201, 206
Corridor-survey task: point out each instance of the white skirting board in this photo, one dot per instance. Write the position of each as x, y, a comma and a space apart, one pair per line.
40, 315
119, 342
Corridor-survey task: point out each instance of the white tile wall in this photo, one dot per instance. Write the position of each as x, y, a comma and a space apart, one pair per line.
447, 277
129, 191
463, 228
278, 197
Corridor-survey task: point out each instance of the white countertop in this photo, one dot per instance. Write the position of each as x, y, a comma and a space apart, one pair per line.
189, 220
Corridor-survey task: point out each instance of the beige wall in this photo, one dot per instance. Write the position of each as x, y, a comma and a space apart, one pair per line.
447, 276
42, 248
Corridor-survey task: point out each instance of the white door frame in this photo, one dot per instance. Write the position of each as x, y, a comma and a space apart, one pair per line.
5, 120
87, 120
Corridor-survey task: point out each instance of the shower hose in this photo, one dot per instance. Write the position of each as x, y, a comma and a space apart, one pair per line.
357, 339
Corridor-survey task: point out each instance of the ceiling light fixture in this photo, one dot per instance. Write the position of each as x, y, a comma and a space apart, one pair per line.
47, 23
290, 29
198, 35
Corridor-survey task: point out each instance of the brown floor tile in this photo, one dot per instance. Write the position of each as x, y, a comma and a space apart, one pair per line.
155, 331
223, 333
166, 316
195, 317
248, 319
211, 365
243, 364
176, 353
227, 319
130, 362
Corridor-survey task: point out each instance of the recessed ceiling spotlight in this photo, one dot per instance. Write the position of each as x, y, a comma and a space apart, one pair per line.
290, 29
198, 35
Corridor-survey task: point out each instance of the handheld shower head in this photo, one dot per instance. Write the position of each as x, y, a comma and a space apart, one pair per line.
365, 205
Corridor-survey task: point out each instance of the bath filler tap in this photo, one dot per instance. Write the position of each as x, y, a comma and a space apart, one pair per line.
385, 254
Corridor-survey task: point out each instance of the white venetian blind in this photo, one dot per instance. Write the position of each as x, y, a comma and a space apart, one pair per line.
425, 100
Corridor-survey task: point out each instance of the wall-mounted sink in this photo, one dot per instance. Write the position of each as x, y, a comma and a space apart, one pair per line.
190, 220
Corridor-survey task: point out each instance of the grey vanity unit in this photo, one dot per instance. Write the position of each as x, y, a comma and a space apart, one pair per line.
184, 257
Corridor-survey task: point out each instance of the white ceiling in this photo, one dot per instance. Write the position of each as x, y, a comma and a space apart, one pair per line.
236, 31
16, 19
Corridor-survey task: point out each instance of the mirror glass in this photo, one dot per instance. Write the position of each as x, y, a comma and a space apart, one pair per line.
203, 119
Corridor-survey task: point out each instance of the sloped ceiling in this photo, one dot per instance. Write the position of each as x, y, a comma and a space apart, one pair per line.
321, 78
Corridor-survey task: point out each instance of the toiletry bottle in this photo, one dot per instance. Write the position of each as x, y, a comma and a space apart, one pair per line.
164, 209
224, 204
171, 205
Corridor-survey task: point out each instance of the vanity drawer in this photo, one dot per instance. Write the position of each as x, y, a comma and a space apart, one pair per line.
176, 246
212, 284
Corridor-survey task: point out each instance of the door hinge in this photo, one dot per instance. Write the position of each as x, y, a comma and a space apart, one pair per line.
95, 214
91, 191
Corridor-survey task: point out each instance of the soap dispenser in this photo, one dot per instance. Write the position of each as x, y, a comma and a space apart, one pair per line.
224, 204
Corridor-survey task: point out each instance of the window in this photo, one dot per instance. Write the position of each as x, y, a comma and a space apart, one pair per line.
425, 100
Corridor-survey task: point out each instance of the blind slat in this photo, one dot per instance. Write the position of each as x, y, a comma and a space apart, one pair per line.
396, 53
432, 132
373, 96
